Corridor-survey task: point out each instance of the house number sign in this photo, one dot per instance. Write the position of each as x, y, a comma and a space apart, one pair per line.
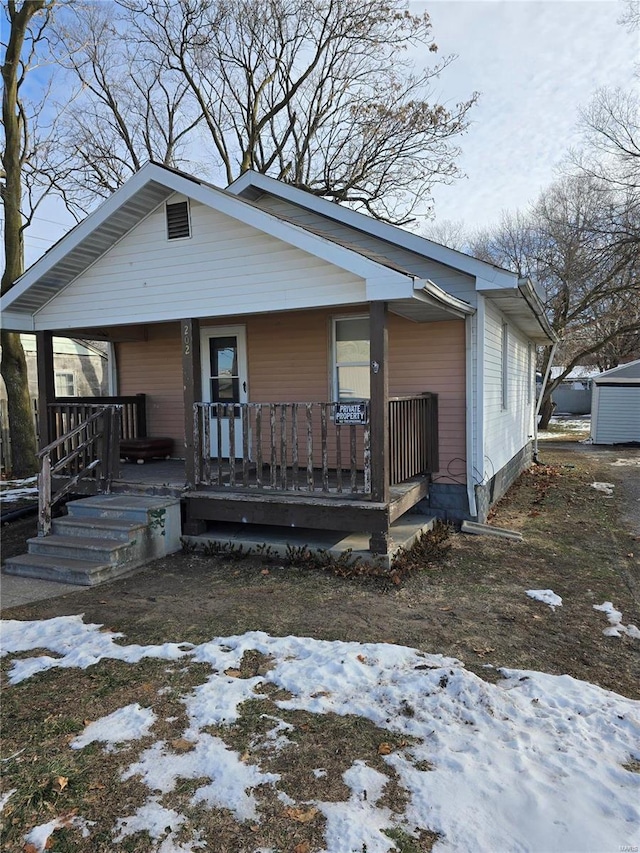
352, 413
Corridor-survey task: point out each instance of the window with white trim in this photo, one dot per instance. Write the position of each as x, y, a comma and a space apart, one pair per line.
65, 384
504, 367
351, 358
178, 220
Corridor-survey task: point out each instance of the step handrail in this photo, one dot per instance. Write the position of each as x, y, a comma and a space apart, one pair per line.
97, 454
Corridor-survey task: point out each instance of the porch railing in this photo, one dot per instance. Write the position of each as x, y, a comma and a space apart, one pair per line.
413, 436
88, 451
300, 447
67, 412
281, 446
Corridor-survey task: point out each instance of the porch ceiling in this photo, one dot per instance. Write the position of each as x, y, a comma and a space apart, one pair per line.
421, 312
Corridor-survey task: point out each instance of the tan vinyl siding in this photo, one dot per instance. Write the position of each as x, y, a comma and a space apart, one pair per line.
154, 367
289, 360
431, 357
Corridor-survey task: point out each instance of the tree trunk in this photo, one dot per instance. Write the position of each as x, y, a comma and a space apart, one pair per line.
13, 366
546, 410
14, 372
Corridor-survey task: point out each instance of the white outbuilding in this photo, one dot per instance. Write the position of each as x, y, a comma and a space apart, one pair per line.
615, 405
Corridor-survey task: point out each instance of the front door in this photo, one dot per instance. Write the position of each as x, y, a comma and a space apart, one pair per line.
224, 380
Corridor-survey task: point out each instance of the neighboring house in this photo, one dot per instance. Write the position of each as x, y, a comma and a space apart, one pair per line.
615, 414
80, 370
573, 395
235, 300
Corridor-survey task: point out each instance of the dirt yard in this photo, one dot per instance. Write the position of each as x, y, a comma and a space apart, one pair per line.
472, 604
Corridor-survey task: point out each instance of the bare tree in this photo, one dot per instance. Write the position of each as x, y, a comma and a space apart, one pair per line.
130, 107
580, 243
320, 93
611, 139
631, 15
27, 155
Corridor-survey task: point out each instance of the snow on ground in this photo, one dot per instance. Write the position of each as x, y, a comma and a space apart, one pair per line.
605, 488
40, 836
616, 628
546, 596
563, 426
533, 763
129, 723
15, 490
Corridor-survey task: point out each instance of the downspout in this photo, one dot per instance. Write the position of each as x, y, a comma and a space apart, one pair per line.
539, 403
477, 470
471, 413
112, 370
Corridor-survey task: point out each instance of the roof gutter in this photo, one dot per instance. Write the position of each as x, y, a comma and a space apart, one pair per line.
526, 288
428, 291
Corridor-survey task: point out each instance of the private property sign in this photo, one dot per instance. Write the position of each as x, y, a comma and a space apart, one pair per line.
352, 413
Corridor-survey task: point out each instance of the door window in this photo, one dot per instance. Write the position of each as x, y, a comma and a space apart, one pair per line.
225, 379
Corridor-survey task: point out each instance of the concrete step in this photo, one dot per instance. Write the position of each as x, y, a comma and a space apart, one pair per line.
64, 569
142, 509
92, 549
102, 538
117, 529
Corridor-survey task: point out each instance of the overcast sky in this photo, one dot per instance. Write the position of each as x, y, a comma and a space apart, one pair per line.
535, 62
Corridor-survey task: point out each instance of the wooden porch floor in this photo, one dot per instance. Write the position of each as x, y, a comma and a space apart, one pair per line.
331, 510
170, 474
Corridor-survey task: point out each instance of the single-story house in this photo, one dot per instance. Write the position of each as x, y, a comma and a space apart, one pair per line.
314, 367
615, 407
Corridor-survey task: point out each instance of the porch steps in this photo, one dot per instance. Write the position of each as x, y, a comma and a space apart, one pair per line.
102, 538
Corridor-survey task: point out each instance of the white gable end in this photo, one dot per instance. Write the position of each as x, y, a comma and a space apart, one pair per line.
452, 281
226, 267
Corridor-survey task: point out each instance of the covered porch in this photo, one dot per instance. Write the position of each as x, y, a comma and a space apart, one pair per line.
312, 464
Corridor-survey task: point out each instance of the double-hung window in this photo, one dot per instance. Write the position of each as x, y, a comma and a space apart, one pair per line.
351, 358
504, 366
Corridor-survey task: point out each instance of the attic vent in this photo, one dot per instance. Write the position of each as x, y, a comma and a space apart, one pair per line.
178, 225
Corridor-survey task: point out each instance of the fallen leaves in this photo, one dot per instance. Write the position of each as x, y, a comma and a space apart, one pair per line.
182, 745
485, 651
301, 815
385, 748
233, 673
60, 783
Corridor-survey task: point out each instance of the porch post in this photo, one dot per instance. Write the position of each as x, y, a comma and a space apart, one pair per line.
379, 410
192, 390
46, 385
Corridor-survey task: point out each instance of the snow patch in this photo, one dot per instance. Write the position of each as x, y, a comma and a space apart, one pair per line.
616, 628
605, 488
358, 823
129, 723
39, 836
546, 596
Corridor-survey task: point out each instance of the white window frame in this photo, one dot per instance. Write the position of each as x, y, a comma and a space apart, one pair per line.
166, 220
60, 373
335, 390
529, 373
504, 366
